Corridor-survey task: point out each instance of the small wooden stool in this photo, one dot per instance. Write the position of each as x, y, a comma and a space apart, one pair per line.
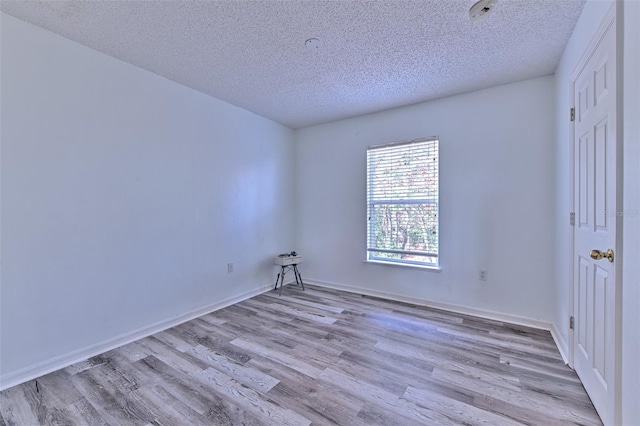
288, 263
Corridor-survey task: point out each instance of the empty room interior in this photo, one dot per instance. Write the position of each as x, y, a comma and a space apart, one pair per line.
320, 212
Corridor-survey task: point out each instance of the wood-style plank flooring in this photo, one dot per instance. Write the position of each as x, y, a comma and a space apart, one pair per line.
321, 357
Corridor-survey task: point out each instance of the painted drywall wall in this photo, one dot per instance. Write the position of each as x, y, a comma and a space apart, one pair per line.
592, 15
124, 195
631, 219
496, 205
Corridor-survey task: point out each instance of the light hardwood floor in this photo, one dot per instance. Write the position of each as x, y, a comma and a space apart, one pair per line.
317, 357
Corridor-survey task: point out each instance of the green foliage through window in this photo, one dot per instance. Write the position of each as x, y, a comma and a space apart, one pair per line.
402, 202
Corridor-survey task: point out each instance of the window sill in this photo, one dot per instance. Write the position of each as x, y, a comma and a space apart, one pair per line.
405, 265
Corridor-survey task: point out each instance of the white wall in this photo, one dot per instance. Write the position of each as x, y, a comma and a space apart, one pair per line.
631, 206
124, 195
496, 206
589, 22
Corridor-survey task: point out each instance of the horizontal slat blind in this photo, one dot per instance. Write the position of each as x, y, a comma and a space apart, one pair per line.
402, 202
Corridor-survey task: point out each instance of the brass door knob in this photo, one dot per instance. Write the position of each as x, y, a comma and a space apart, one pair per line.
597, 255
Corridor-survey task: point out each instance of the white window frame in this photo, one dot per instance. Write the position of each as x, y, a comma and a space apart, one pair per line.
371, 256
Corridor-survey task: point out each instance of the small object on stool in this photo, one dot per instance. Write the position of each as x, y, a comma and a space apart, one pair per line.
288, 262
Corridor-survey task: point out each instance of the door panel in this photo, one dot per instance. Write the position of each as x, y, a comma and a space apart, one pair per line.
600, 88
600, 320
583, 181
581, 312
600, 160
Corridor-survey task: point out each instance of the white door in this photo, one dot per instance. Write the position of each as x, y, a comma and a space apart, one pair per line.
594, 275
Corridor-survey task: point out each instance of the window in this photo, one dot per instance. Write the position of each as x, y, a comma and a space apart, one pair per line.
402, 202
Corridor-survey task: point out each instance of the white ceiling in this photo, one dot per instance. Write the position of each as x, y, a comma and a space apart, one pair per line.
374, 55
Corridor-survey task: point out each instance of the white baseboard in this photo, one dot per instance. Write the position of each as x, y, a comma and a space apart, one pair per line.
62, 361
460, 309
562, 344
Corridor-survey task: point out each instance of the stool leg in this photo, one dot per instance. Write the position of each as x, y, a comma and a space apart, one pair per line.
297, 272
283, 271
277, 278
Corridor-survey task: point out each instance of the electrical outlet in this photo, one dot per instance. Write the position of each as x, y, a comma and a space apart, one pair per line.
229, 267
482, 275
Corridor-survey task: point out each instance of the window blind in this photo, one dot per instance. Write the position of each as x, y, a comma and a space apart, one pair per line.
402, 202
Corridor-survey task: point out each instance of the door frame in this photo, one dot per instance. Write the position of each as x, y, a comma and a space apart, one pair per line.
611, 21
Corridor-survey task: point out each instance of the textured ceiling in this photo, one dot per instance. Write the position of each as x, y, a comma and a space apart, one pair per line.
374, 55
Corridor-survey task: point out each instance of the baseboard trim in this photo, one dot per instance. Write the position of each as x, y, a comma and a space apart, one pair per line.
62, 361
460, 309
562, 344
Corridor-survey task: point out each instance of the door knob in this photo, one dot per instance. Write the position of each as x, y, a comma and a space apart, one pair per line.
597, 255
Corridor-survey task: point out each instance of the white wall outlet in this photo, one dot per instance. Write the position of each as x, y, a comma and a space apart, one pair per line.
482, 275
229, 267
